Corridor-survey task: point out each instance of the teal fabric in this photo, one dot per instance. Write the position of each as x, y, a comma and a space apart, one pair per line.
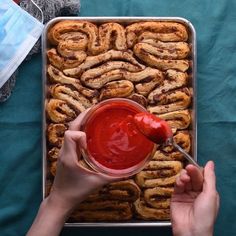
20, 116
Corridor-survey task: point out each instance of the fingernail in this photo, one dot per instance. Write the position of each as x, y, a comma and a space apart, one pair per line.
212, 165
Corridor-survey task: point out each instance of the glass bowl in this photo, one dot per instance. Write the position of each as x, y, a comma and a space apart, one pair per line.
98, 122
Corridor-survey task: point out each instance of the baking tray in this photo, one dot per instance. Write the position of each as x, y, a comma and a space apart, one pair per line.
192, 82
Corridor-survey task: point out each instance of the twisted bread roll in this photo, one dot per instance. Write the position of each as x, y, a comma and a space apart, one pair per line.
173, 80
161, 155
103, 211
148, 213
59, 111
161, 59
164, 31
72, 97
164, 50
57, 76
98, 77
117, 89
158, 197
55, 134
158, 174
177, 119
183, 139
126, 190
112, 55
109, 35
64, 63
140, 99
172, 101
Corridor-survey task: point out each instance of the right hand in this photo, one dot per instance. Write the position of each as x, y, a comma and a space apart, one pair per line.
195, 202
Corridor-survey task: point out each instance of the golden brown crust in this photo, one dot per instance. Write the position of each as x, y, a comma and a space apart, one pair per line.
103, 211
65, 63
148, 213
146, 54
158, 197
140, 99
99, 40
53, 154
158, 174
126, 190
53, 168
172, 101
55, 134
112, 55
177, 119
71, 97
119, 89
59, 112
173, 80
56, 76
163, 31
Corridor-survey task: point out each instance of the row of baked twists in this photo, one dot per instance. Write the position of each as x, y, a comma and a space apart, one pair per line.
148, 62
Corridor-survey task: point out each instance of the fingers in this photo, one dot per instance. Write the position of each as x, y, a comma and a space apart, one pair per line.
196, 178
181, 182
73, 139
75, 124
209, 177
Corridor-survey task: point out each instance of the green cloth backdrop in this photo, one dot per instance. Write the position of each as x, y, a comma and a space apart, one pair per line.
20, 116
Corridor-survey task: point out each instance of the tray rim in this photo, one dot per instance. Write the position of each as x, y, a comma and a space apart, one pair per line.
134, 223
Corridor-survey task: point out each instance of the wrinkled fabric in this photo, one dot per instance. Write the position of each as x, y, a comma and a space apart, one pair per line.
20, 116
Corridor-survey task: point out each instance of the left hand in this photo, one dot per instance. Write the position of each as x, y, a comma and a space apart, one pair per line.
73, 182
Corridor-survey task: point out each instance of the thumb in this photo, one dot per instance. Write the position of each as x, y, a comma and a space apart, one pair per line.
209, 177
73, 139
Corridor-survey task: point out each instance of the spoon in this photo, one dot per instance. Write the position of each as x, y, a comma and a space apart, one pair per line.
158, 131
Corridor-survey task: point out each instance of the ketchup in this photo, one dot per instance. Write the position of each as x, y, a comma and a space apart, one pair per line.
153, 127
113, 139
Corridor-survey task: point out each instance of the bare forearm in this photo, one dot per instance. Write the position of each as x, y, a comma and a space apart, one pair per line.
49, 220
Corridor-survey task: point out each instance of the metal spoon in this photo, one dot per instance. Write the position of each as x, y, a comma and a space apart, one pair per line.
170, 141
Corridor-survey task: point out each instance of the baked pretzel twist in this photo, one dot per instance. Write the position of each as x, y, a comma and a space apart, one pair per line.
143, 211
105, 210
99, 40
59, 111
158, 174
163, 31
111, 55
171, 101
55, 134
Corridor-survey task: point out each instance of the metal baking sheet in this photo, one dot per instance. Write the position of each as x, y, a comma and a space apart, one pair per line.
193, 128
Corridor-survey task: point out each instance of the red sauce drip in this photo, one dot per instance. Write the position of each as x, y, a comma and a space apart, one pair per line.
113, 139
153, 127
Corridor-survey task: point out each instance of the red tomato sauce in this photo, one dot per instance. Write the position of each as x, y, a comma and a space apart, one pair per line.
113, 139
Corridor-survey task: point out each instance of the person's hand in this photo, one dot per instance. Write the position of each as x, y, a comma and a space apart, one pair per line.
72, 184
195, 202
